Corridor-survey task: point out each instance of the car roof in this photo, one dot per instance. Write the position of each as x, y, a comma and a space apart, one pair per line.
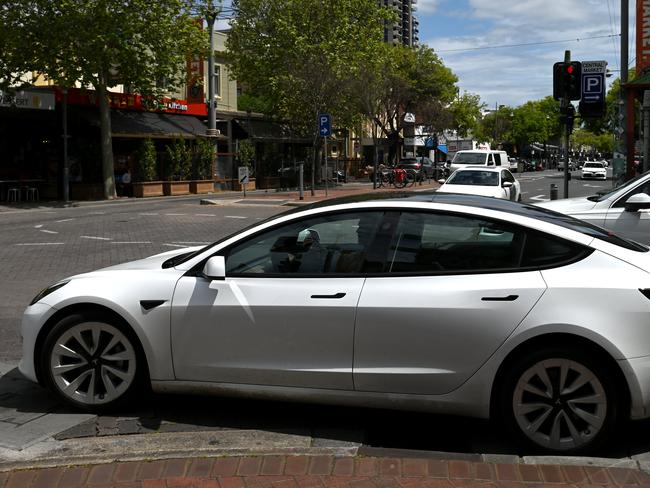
478, 167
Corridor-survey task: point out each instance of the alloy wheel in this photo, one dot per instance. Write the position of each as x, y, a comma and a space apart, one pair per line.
93, 363
559, 404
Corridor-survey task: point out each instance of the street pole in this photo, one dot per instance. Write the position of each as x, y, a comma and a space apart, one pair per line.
66, 165
211, 17
325, 150
623, 148
564, 109
646, 131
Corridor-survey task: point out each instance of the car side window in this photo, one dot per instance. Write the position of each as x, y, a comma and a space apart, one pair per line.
544, 251
449, 243
334, 244
497, 159
490, 160
507, 176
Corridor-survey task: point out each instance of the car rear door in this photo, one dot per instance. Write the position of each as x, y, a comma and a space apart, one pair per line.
452, 293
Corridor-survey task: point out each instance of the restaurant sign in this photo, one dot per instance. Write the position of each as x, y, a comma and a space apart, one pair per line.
27, 99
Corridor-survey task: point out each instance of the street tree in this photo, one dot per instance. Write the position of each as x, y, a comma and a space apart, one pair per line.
302, 57
100, 44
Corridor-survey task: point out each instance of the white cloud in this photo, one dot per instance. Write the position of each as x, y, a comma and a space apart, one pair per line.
427, 6
515, 75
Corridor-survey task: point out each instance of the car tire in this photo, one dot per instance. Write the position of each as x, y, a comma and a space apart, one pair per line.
92, 362
539, 400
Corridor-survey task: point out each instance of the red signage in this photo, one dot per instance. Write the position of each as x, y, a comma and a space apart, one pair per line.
129, 101
195, 89
642, 36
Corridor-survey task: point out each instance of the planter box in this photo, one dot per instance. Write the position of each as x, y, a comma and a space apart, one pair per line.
148, 189
86, 191
236, 186
171, 188
201, 186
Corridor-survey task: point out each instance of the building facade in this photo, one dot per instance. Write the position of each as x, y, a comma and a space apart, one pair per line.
405, 30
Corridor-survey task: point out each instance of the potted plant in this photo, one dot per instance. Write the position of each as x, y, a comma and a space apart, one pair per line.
146, 184
203, 163
178, 166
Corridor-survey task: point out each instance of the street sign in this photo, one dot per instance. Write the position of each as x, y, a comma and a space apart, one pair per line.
593, 89
325, 125
243, 174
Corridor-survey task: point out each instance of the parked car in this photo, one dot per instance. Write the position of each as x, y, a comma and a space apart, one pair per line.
514, 164
479, 158
421, 164
622, 210
489, 182
448, 303
593, 169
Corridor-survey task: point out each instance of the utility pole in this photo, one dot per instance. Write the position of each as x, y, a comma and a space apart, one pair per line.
564, 109
211, 14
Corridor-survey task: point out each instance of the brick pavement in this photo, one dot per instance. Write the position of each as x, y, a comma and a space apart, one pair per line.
319, 471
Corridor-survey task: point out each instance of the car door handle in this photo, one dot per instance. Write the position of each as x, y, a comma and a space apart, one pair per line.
336, 295
509, 298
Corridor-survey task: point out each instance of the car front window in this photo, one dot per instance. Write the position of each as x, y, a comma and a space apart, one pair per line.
477, 178
469, 158
334, 244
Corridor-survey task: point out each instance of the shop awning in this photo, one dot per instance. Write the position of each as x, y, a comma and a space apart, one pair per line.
268, 131
126, 123
443, 148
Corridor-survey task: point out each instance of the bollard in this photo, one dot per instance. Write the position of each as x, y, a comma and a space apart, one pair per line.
553, 191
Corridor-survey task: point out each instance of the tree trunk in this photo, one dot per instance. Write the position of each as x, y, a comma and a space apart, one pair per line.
108, 176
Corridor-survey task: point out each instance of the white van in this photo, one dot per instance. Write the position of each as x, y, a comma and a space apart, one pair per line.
479, 158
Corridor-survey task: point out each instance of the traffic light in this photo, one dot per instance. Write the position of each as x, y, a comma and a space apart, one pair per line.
567, 80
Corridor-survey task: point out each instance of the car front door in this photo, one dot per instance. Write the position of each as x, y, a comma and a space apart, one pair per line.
453, 292
634, 225
284, 315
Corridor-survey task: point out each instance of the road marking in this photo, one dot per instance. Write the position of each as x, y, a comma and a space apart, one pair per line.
539, 198
235, 217
38, 226
65, 220
48, 231
148, 214
131, 242
175, 214
40, 244
191, 242
175, 245
96, 238
205, 215
96, 213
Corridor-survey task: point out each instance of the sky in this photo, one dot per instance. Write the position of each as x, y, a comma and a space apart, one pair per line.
514, 75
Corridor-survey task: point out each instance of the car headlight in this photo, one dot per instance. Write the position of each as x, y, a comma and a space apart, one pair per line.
46, 291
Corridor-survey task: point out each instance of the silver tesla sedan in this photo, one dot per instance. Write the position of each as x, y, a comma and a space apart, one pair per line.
437, 302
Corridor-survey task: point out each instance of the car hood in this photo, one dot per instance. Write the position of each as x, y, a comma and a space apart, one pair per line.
152, 262
569, 206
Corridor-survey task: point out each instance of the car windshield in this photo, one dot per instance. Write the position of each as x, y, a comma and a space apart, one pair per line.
604, 195
469, 158
479, 178
593, 165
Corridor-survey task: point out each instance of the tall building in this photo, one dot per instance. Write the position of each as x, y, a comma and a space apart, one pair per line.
406, 29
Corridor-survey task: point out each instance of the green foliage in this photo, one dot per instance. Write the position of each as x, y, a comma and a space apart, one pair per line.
586, 141
302, 57
147, 161
246, 152
466, 113
205, 156
178, 161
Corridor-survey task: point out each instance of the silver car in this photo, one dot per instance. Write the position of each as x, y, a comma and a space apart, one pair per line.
436, 302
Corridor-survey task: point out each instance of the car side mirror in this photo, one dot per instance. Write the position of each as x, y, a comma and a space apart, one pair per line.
215, 268
507, 184
442, 181
637, 202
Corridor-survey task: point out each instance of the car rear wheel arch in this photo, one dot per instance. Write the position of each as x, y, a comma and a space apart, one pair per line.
575, 342
90, 309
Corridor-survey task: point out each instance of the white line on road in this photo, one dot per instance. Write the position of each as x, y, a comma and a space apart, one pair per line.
96, 213
38, 226
539, 198
235, 217
149, 213
205, 215
48, 231
65, 220
131, 242
175, 214
40, 244
175, 245
96, 238
191, 242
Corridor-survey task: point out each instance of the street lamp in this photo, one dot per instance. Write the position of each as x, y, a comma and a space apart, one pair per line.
211, 14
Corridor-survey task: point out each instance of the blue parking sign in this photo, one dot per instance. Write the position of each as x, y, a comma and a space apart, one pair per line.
593, 87
325, 125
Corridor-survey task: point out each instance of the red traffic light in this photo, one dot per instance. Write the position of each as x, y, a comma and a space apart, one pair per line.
569, 69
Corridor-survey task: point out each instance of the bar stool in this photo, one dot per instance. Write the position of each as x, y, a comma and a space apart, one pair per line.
13, 195
32, 194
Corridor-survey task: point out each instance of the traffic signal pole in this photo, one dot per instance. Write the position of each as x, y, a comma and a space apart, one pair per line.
564, 109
